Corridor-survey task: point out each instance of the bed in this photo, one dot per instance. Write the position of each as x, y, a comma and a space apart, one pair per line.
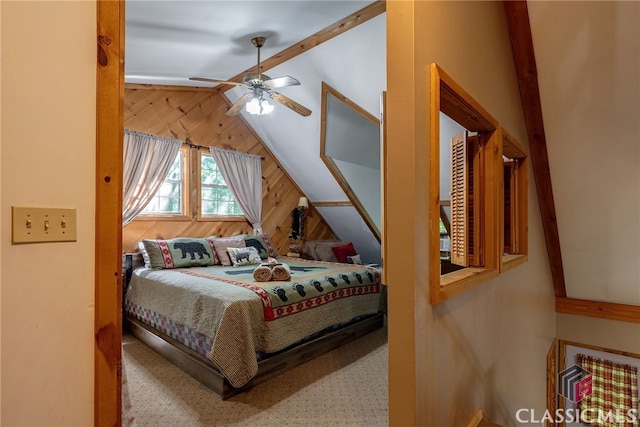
232, 332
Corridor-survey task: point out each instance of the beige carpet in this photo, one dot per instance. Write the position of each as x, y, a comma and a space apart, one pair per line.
346, 387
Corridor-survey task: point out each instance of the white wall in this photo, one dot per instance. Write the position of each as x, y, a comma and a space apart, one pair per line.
48, 159
590, 90
448, 129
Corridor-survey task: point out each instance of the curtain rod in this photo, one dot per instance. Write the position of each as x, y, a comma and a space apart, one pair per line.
192, 145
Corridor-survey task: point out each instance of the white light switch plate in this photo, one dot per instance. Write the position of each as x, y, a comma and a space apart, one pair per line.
37, 225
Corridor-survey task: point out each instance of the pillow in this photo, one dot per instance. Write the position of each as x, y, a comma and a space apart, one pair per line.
257, 242
145, 255
244, 256
178, 252
272, 249
342, 252
310, 249
221, 244
355, 259
325, 253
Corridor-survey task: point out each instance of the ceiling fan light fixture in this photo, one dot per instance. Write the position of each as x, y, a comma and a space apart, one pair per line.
254, 102
258, 106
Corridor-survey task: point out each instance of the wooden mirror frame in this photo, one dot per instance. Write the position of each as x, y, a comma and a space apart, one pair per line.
330, 163
451, 99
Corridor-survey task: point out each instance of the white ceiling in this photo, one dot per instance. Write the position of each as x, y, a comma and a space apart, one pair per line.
169, 41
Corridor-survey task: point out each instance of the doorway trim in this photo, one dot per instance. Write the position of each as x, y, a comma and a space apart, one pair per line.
108, 233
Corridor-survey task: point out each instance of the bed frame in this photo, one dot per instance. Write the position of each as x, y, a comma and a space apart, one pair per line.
204, 370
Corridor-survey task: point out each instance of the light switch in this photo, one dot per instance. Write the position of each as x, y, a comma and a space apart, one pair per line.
36, 225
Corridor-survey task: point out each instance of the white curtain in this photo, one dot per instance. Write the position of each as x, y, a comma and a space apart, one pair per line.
243, 174
147, 160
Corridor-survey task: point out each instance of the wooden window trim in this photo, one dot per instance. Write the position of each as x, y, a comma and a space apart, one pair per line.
512, 149
196, 168
451, 99
192, 191
186, 181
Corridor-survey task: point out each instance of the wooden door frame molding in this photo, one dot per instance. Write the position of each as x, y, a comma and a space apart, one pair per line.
108, 237
110, 88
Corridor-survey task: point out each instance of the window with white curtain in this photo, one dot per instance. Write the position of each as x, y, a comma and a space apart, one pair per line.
215, 197
170, 198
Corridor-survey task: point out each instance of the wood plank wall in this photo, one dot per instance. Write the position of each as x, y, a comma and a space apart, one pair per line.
197, 116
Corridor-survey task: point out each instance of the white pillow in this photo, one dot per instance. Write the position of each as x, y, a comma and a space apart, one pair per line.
244, 256
145, 255
355, 259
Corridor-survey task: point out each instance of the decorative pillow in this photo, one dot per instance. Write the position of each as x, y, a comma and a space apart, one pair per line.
324, 252
310, 249
145, 255
221, 245
272, 249
178, 252
257, 242
244, 256
355, 259
342, 252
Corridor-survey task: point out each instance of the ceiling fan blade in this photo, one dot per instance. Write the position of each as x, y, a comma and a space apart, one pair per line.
202, 79
290, 103
281, 82
235, 108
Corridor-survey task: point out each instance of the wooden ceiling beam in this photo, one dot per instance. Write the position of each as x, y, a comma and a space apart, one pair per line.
600, 309
525, 64
342, 26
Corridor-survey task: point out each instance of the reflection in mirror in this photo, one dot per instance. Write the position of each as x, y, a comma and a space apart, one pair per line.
449, 130
350, 147
514, 202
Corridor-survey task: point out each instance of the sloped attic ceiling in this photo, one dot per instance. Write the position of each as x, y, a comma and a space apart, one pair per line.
588, 61
588, 64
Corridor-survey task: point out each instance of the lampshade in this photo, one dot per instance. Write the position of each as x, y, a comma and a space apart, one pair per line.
258, 106
303, 203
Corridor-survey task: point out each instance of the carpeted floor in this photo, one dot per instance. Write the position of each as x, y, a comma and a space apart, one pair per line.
345, 387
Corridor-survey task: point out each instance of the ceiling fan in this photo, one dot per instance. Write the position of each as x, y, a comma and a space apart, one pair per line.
261, 85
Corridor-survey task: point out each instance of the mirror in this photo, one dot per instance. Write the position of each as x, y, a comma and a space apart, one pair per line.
350, 147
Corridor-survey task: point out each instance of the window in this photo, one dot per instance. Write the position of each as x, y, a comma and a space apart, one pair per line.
514, 202
170, 198
478, 193
215, 197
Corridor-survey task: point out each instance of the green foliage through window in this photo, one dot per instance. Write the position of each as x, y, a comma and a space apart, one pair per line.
216, 198
443, 229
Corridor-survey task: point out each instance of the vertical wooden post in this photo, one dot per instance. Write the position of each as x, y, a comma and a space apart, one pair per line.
108, 253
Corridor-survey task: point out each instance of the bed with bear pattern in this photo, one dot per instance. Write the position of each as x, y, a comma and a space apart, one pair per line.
197, 301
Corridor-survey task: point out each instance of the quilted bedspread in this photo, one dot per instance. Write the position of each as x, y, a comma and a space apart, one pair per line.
243, 316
